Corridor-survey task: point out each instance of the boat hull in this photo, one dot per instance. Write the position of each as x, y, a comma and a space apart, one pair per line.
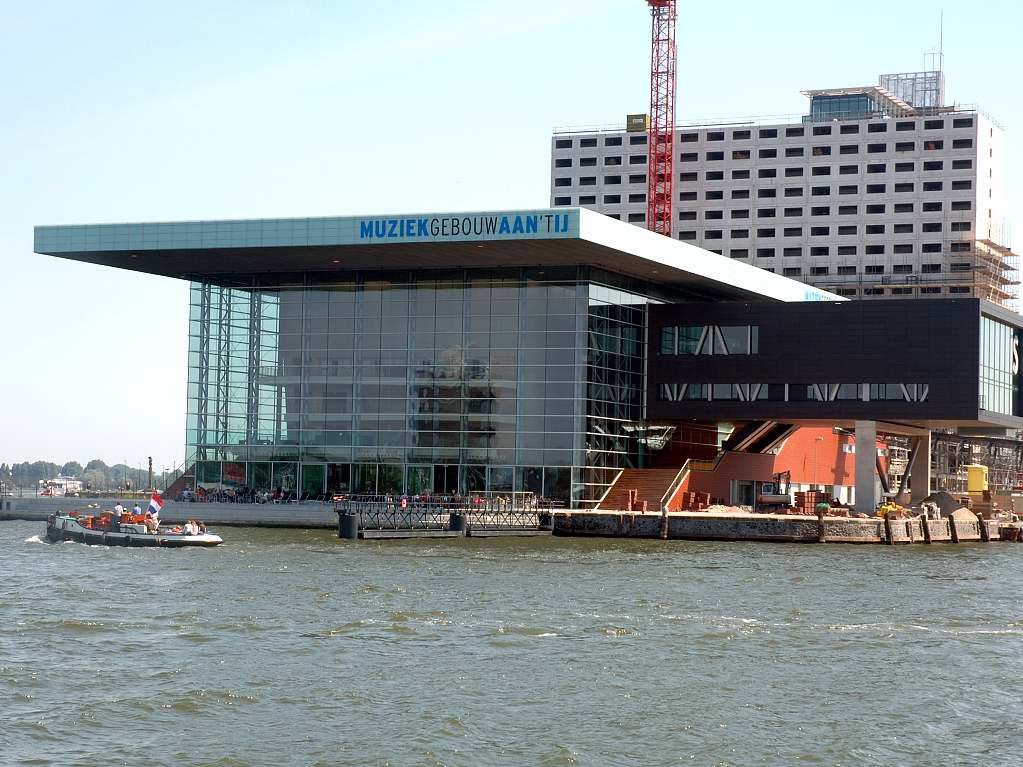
59, 529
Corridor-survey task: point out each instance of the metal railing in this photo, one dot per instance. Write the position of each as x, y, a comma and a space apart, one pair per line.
483, 511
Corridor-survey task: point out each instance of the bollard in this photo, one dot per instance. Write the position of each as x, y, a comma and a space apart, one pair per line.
456, 522
348, 526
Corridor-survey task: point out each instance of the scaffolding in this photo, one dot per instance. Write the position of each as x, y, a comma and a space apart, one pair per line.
952, 453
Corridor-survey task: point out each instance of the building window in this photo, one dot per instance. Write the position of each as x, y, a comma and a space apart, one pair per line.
588, 199
820, 191
739, 253
876, 148
765, 193
958, 290
793, 253
934, 124
846, 292
688, 177
740, 154
903, 207
904, 186
902, 291
791, 271
875, 188
962, 164
904, 167
793, 172
904, 126
822, 130
821, 170
687, 215
638, 140
588, 181
931, 268
765, 213
766, 154
587, 143
874, 250
637, 178
613, 141
740, 213
820, 231
874, 209
765, 233
686, 196
963, 184
873, 269
715, 156
740, 194
959, 247
637, 218
792, 231
712, 234
740, 135
687, 235
902, 269
767, 173
562, 182
820, 151
638, 197
768, 133
877, 168
689, 157
765, 252
587, 162
563, 143
929, 290
713, 214
931, 247
739, 234
715, 136
849, 189
714, 194
846, 230
793, 151
847, 250
960, 226
963, 122
612, 180
931, 207
905, 228
562, 200
612, 199
613, 160
820, 250
874, 229
849, 149
849, 128
847, 270
563, 162
793, 212
740, 174
932, 186
792, 132
637, 159
793, 191
902, 248
819, 271
930, 146
934, 165
688, 137
820, 210
847, 210
905, 146
877, 128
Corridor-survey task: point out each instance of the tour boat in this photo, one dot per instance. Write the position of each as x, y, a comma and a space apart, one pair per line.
99, 530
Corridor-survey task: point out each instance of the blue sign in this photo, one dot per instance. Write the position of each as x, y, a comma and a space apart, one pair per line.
467, 227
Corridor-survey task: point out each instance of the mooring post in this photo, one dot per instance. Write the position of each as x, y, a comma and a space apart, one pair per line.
456, 521
925, 523
821, 533
888, 528
348, 525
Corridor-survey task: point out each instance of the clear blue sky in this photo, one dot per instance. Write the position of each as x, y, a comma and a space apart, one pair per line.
116, 111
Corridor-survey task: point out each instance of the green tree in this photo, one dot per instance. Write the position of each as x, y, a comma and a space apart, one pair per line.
72, 469
94, 479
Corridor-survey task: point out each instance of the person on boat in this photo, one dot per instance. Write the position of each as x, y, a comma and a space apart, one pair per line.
137, 510
152, 523
115, 518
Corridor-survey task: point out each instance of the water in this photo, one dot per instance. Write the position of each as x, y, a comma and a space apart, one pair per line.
294, 648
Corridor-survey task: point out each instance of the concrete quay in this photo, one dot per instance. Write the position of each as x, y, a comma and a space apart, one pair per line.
301, 515
963, 526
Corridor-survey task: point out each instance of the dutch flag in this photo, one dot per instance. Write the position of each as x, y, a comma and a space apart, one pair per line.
155, 504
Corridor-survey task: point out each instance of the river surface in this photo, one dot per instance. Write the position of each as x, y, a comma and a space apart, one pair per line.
295, 648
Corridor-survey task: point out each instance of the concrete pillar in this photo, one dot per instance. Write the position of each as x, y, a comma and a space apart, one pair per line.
866, 467
920, 478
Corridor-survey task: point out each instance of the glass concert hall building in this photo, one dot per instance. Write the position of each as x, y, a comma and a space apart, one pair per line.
460, 352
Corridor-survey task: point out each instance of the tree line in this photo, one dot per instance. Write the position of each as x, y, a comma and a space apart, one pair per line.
95, 475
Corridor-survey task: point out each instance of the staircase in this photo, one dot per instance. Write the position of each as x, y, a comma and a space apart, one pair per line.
650, 486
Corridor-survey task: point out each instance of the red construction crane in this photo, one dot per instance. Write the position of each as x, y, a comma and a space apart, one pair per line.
661, 133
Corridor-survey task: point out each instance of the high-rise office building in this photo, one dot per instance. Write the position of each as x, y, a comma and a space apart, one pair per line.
877, 191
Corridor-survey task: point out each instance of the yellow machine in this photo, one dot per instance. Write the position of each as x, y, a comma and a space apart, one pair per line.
976, 478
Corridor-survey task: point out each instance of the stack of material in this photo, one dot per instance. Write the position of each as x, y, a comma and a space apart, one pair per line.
806, 502
695, 501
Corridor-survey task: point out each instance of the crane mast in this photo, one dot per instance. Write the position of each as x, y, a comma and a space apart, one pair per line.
661, 133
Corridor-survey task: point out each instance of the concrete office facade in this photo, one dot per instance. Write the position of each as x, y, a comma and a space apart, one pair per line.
470, 352
867, 195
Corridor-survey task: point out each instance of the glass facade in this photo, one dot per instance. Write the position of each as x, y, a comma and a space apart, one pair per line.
455, 381
843, 107
999, 367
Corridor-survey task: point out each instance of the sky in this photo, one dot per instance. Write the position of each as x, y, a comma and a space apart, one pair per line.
117, 111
